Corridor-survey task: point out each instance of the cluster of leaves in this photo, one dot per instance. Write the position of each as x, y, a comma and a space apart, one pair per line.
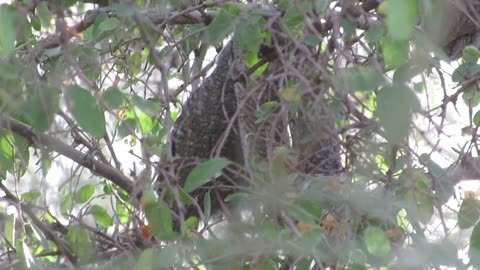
86, 73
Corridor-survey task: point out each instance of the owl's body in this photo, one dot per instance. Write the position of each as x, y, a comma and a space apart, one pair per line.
205, 116
206, 129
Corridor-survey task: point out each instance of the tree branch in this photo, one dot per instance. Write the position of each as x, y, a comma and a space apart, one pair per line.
468, 169
50, 235
52, 144
191, 17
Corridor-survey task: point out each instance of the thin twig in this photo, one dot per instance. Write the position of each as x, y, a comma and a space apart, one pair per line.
54, 145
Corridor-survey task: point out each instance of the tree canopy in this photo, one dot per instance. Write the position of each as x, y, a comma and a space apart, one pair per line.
342, 111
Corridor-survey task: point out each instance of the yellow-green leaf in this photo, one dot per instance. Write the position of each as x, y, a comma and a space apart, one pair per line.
84, 193
101, 216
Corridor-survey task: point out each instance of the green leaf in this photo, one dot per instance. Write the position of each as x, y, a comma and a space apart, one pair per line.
84, 193
147, 106
11, 71
207, 205
469, 213
66, 204
69, 3
36, 23
441, 253
395, 53
107, 188
402, 16
169, 256
191, 223
113, 97
394, 109
247, 36
185, 198
46, 162
375, 33
311, 40
121, 211
6, 155
146, 260
471, 54
321, 5
266, 110
22, 154
109, 24
420, 205
88, 60
80, 243
204, 172
236, 196
471, 96
149, 197
44, 14
123, 194
359, 79
145, 123
465, 71
9, 229
8, 30
26, 258
444, 187
424, 43
31, 196
252, 59
348, 28
376, 241
51, 53
310, 240
358, 256
476, 118
405, 73
294, 16
266, 265
101, 216
160, 220
220, 27
419, 87
474, 250
41, 106
85, 110
134, 62
303, 264
126, 127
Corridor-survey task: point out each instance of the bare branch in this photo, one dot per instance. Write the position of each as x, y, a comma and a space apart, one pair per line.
52, 144
27, 209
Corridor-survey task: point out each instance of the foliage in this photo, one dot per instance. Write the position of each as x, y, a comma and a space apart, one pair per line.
81, 81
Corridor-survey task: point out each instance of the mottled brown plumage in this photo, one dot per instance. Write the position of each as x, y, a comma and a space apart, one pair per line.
202, 130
